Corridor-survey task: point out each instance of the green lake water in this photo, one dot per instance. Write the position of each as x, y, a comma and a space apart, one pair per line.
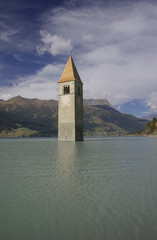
102, 188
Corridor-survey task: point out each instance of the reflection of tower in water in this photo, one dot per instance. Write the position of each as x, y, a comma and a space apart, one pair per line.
70, 161
71, 186
67, 161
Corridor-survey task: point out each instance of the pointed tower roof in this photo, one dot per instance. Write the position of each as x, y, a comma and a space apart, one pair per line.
70, 72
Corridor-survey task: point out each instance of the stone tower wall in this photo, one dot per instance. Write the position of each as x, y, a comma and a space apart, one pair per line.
70, 112
78, 111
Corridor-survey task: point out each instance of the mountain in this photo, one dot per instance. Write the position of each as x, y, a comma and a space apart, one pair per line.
106, 120
39, 118
97, 102
150, 129
34, 114
150, 117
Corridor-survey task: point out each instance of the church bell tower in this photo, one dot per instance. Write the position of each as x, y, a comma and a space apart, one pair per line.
70, 104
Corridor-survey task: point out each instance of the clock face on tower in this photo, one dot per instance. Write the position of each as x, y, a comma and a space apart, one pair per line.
65, 100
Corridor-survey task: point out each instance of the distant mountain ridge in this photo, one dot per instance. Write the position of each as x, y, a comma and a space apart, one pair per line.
99, 102
150, 117
40, 117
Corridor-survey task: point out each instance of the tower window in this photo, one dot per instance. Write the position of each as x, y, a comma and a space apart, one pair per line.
66, 90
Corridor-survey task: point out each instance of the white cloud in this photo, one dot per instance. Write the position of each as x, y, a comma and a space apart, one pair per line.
88, 37
6, 35
152, 102
114, 49
131, 25
54, 44
118, 108
5, 96
42, 85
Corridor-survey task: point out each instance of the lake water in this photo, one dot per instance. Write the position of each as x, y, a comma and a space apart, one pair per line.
102, 188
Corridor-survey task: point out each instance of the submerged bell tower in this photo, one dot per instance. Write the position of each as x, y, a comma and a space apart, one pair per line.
70, 104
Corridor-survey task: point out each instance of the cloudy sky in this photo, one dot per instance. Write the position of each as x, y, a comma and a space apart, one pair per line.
113, 44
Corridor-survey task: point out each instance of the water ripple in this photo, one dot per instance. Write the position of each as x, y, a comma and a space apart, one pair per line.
102, 188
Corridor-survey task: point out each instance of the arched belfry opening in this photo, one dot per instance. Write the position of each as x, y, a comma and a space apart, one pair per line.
70, 104
66, 89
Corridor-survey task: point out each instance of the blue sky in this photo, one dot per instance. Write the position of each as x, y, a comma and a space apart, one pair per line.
113, 44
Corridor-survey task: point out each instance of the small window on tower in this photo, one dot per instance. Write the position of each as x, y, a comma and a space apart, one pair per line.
66, 90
